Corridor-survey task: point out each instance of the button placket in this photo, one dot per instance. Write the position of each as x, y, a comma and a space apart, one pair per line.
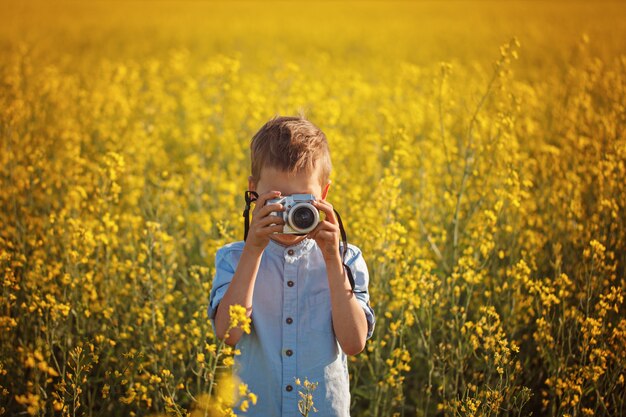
289, 332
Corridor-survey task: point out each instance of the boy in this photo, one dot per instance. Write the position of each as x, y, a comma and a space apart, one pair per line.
305, 316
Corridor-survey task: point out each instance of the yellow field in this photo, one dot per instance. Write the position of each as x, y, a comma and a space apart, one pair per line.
479, 159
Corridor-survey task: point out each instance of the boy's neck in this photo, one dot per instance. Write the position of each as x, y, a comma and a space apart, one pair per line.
289, 242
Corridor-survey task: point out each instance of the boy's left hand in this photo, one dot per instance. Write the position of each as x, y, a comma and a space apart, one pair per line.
327, 233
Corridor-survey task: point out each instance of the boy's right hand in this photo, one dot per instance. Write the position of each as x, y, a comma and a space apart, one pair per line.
262, 224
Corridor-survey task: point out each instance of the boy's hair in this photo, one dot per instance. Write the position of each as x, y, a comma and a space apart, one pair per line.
292, 144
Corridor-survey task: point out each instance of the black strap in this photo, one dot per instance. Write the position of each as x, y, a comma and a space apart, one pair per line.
344, 250
251, 196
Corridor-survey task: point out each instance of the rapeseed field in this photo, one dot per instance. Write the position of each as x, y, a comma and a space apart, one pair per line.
479, 157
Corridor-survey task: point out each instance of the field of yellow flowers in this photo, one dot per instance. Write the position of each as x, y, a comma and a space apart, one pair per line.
479, 158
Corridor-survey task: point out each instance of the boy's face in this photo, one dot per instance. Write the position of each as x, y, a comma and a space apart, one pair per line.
272, 179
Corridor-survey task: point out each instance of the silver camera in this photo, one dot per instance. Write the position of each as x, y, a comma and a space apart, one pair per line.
300, 215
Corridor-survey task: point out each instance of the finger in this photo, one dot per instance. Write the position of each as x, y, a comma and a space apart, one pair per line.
269, 208
323, 228
260, 202
326, 225
265, 221
266, 231
327, 209
325, 235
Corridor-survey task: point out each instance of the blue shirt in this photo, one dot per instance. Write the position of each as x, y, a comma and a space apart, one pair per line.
291, 334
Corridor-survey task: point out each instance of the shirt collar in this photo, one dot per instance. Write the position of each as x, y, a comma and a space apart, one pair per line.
300, 248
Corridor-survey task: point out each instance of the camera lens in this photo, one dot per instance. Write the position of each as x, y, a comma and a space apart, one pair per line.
303, 217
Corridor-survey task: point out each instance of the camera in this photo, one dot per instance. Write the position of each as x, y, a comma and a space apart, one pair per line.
300, 215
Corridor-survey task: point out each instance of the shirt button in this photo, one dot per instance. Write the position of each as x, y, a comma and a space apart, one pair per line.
290, 252
289, 352
288, 388
289, 320
290, 283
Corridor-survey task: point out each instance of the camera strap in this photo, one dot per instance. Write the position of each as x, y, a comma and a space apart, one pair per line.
344, 252
251, 196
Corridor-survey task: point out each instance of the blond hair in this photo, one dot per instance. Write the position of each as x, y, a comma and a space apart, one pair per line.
292, 144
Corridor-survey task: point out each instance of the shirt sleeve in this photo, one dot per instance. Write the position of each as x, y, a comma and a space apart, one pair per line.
357, 265
225, 264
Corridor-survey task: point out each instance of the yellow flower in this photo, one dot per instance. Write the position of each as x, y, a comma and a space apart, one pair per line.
239, 318
244, 405
253, 397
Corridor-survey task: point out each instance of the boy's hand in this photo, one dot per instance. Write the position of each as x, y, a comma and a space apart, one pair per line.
327, 233
262, 224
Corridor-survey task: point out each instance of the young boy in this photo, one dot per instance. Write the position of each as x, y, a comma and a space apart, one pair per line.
305, 315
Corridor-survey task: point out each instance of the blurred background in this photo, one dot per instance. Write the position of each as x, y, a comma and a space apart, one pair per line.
479, 162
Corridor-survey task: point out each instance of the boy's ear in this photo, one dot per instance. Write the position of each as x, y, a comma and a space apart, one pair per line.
251, 184
325, 190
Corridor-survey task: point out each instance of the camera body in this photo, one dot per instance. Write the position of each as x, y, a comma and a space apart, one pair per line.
300, 216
